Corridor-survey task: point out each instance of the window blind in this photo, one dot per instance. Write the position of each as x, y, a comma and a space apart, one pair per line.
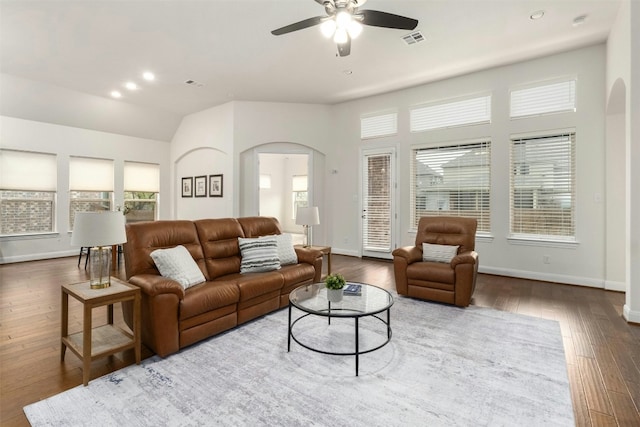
24, 170
544, 99
450, 114
89, 174
141, 177
299, 183
378, 125
542, 187
452, 180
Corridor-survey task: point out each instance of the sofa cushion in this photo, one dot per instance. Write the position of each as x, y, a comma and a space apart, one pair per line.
207, 297
438, 253
260, 254
286, 253
177, 264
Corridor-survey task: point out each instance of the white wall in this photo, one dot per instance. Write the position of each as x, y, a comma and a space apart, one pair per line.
623, 139
67, 141
203, 145
582, 264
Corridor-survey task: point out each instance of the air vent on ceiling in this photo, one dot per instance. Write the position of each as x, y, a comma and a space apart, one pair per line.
194, 83
413, 38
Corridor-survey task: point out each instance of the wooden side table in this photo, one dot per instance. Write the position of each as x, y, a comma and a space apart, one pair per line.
326, 250
94, 343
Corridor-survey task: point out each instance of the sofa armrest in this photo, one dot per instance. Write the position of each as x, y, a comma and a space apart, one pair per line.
464, 258
308, 255
154, 285
410, 253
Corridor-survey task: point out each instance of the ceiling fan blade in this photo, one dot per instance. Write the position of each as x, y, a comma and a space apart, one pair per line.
299, 25
375, 18
344, 49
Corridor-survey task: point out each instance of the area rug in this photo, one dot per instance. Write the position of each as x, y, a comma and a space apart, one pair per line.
444, 366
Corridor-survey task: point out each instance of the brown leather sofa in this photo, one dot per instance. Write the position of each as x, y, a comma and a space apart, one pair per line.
451, 282
172, 317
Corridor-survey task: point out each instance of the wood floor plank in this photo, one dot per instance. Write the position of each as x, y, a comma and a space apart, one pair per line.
594, 389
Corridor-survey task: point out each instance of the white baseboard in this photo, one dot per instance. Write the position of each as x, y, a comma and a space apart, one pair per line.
545, 277
630, 315
36, 257
348, 252
612, 285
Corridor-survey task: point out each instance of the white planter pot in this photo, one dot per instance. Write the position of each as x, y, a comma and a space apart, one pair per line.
334, 295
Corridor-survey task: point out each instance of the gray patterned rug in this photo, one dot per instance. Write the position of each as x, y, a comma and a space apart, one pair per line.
444, 366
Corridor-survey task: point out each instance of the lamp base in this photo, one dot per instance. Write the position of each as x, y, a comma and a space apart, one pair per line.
307, 235
100, 267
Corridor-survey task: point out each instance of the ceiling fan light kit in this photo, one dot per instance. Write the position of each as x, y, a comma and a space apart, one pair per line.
344, 22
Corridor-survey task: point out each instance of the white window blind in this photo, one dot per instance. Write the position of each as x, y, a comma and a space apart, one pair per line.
141, 177
88, 174
452, 180
23, 170
378, 125
542, 190
464, 112
544, 99
299, 183
377, 201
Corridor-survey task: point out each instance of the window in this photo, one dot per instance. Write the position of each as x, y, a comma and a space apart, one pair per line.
542, 198
300, 195
452, 180
28, 192
141, 188
544, 99
378, 125
470, 111
90, 185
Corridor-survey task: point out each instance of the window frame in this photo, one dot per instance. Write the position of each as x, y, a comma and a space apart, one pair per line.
543, 239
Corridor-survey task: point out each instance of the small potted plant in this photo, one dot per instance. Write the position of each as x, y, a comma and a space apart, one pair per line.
334, 283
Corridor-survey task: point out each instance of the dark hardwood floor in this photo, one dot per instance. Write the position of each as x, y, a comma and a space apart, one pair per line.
602, 350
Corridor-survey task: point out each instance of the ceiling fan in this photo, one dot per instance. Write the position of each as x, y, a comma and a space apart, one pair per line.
344, 22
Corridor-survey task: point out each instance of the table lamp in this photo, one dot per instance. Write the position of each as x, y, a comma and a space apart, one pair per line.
307, 216
99, 231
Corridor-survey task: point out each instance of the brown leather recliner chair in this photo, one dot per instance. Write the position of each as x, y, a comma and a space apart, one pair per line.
449, 282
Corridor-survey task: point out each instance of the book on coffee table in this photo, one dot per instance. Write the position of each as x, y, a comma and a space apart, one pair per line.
352, 289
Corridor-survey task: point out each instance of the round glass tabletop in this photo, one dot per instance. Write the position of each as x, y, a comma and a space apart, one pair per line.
313, 299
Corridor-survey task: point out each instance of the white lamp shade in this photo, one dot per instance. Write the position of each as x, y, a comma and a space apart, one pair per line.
308, 216
98, 229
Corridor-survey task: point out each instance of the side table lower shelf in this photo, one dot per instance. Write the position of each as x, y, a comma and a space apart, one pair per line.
105, 341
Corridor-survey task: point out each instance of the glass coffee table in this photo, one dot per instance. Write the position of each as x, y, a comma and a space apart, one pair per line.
312, 301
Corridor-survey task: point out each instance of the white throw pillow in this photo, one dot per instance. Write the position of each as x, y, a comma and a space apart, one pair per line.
177, 264
438, 253
259, 254
286, 253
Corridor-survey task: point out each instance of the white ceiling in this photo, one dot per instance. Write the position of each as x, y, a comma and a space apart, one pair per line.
96, 46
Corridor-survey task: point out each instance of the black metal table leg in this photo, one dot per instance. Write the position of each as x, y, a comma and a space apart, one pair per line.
357, 347
289, 334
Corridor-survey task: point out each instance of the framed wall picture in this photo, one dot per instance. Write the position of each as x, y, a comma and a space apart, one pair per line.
187, 187
215, 185
200, 185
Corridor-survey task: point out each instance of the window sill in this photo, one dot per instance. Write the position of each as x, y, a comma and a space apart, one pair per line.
33, 236
536, 241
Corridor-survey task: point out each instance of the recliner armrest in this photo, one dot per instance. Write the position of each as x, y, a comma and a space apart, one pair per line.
410, 253
464, 258
154, 285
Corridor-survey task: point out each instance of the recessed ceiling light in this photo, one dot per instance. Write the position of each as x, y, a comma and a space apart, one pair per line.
131, 86
579, 20
147, 75
536, 15
116, 94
